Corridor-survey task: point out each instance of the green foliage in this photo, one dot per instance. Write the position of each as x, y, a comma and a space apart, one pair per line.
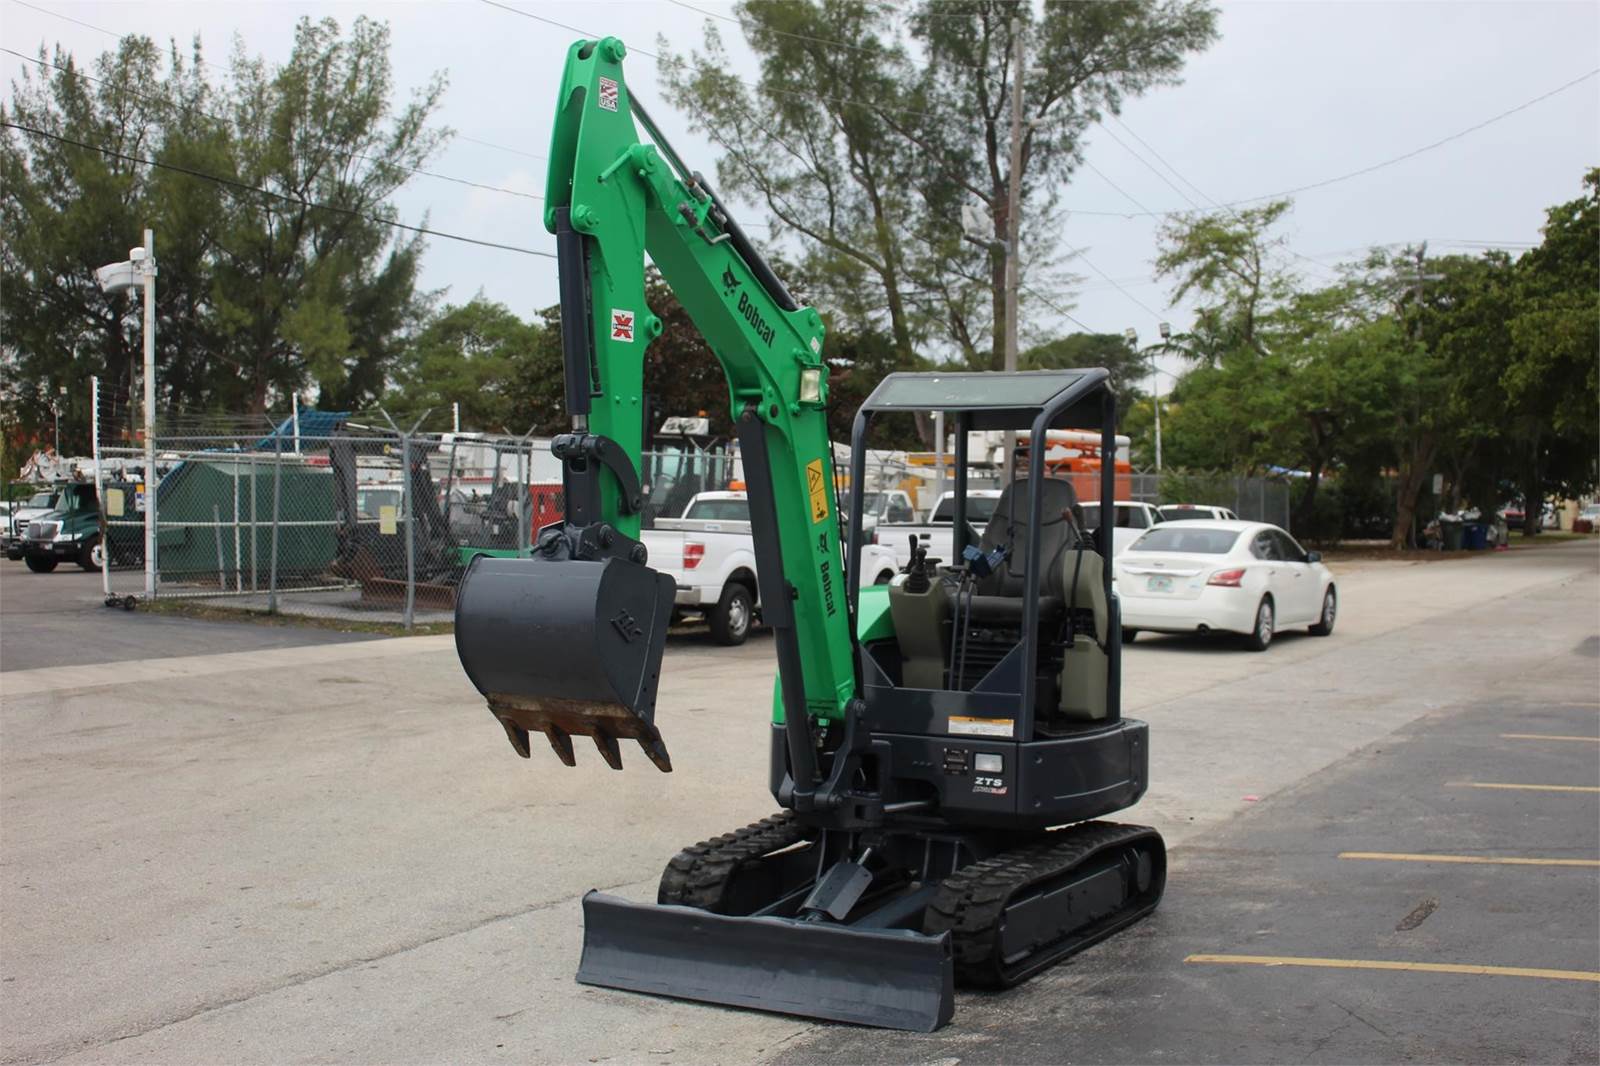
259, 295
868, 155
470, 355
1128, 366
1481, 369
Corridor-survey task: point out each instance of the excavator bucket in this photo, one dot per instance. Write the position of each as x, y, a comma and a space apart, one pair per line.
565, 648
888, 978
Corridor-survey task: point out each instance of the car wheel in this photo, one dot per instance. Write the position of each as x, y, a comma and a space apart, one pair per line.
15, 557
1260, 638
1129, 635
731, 618
41, 564
92, 556
1330, 613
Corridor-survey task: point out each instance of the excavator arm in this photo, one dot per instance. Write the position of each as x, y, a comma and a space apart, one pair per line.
571, 640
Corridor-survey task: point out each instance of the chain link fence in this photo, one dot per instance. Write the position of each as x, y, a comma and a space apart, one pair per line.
918, 479
329, 516
316, 515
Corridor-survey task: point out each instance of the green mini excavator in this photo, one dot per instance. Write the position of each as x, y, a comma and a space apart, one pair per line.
941, 746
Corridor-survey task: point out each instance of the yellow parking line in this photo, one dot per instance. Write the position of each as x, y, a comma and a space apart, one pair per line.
1530, 788
1546, 736
1380, 964
1398, 856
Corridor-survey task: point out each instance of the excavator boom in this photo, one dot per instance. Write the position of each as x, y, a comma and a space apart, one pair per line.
580, 652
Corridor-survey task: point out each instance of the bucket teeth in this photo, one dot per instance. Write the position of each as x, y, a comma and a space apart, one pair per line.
657, 751
561, 742
518, 737
609, 751
561, 720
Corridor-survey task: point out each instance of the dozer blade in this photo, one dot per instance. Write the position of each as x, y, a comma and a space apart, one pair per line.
892, 979
564, 648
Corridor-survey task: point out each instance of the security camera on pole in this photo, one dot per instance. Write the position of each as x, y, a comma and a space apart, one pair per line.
139, 269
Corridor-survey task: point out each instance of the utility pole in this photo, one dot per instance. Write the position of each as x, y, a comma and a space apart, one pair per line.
1013, 229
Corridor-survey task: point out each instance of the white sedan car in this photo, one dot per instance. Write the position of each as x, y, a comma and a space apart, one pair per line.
1234, 577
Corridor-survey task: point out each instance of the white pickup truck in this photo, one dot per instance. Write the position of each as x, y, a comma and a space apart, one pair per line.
938, 533
711, 555
1132, 519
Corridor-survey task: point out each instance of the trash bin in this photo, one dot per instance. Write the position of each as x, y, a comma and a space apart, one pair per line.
1450, 531
1474, 536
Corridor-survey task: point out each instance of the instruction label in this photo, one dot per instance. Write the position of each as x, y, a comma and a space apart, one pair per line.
817, 486
963, 726
608, 94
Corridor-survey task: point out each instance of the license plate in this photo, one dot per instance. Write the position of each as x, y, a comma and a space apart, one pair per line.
1159, 583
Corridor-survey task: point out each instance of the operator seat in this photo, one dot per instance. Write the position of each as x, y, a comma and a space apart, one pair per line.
997, 598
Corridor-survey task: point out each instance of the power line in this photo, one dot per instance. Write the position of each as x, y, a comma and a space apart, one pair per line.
1126, 194
1151, 167
1475, 127
1113, 281
233, 183
846, 100
121, 36
1057, 308
217, 118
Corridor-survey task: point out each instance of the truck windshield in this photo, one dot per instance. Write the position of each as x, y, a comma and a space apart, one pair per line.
1127, 517
41, 499
979, 510
1191, 541
1179, 512
719, 510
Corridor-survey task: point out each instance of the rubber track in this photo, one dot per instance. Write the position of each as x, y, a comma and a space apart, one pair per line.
698, 876
970, 902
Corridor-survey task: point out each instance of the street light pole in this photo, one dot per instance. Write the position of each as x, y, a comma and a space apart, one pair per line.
147, 271
139, 271
1131, 335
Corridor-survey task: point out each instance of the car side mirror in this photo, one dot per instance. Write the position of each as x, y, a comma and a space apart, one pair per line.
1313, 557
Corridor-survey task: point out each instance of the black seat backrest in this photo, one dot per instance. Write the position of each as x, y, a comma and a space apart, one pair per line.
1059, 521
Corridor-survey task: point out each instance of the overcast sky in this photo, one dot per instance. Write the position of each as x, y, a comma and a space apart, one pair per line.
1293, 94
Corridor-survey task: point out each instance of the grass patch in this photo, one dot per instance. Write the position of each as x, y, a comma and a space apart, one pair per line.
208, 612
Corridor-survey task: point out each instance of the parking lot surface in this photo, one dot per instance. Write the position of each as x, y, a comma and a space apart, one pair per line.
330, 853
60, 619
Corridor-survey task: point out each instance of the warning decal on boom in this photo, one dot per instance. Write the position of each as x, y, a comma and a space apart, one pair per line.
816, 484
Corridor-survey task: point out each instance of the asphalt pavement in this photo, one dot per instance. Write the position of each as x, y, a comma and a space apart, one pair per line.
329, 852
60, 619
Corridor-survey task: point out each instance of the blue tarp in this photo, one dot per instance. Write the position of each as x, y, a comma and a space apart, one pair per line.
313, 423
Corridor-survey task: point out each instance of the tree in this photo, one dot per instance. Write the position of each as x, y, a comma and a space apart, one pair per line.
867, 154
467, 355
299, 286
1109, 350
1228, 259
320, 295
1552, 385
67, 208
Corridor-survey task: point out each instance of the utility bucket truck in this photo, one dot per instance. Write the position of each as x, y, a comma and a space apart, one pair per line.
941, 746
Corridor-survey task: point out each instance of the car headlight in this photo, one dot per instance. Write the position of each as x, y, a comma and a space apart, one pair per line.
66, 536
